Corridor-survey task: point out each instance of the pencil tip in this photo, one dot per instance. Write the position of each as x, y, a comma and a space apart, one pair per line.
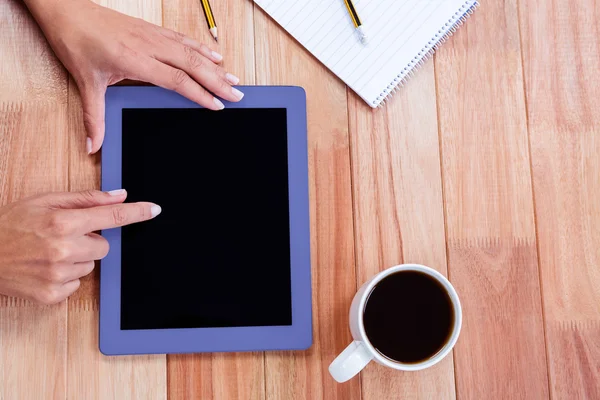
213, 32
362, 35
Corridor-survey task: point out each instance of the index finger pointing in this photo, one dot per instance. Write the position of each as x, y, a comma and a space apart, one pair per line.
114, 216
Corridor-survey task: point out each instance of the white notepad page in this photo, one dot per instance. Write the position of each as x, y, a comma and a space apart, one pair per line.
400, 34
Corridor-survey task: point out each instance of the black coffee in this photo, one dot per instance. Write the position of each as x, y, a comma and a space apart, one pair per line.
408, 317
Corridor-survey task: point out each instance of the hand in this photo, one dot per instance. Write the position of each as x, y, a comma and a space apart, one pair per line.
47, 242
101, 47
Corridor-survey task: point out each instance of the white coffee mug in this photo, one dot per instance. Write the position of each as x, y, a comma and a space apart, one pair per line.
360, 352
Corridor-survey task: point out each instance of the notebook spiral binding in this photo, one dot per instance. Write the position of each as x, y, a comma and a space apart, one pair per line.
443, 34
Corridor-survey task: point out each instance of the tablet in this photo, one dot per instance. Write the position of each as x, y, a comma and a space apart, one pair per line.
226, 265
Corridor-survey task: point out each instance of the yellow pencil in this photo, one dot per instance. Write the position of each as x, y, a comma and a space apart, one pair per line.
356, 20
210, 18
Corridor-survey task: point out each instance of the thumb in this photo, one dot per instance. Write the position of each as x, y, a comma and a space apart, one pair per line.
92, 99
83, 199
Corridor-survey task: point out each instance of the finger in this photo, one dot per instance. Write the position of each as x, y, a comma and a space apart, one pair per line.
202, 70
113, 216
92, 99
153, 71
88, 247
68, 288
81, 199
70, 271
82, 269
55, 293
189, 42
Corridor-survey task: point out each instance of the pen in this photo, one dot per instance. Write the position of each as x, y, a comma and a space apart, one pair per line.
356, 20
210, 18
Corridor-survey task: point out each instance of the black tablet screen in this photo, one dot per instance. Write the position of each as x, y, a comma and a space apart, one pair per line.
219, 254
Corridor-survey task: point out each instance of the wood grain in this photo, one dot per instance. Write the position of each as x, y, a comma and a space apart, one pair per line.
398, 211
510, 165
32, 350
492, 258
29, 71
33, 159
305, 375
92, 375
563, 103
217, 376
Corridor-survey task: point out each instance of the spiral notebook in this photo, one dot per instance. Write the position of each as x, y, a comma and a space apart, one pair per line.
401, 35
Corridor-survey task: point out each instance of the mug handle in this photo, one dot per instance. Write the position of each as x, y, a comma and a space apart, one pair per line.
350, 361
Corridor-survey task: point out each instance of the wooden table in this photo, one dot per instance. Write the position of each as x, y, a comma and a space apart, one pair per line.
485, 167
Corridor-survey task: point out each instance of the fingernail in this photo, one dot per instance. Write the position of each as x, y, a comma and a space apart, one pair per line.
237, 93
116, 192
88, 145
218, 103
155, 210
234, 80
217, 56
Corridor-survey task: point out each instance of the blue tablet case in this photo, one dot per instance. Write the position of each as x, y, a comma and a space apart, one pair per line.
298, 335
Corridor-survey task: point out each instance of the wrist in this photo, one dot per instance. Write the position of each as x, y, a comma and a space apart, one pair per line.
42, 10
50, 12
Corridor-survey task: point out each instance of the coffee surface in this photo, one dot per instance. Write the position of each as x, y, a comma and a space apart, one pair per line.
408, 317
